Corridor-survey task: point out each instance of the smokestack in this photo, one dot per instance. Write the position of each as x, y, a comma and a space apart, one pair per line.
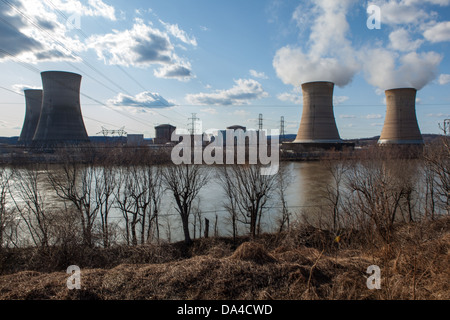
61, 120
33, 99
318, 124
400, 126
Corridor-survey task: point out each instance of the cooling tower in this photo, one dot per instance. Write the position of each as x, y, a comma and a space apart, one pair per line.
400, 126
318, 124
61, 121
33, 99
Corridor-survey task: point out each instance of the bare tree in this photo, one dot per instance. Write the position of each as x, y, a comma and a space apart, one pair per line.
248, 192
230, 203
379, 184
437, 162
30, 201
333, 192
124, 200
75, 183
185, 183
139, 198
105, 188
6, 213
282, 186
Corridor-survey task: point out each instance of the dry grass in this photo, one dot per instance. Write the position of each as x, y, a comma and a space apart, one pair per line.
415, 266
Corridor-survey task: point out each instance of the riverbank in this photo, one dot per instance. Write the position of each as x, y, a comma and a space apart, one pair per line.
305, 263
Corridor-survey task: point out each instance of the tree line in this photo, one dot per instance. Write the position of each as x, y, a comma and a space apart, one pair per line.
72, 202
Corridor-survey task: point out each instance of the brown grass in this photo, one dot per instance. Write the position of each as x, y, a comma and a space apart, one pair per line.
415, 266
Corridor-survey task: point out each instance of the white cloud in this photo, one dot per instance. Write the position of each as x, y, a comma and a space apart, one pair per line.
330, 56
209, 110
259, 75
400, 41
141, 46
19, 88
181, 71
144, 99
438, 115
340, 99
444, 79
347, 116
440, 32
241, 113
374, 116
242, 92
292, 97
95, 8
23, 40
175, 31
396, 12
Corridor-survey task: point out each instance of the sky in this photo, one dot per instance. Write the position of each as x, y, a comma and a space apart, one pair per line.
146, 63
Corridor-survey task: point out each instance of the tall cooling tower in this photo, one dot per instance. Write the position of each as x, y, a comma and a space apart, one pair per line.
61, 120
400, 126
318, 124
33, 99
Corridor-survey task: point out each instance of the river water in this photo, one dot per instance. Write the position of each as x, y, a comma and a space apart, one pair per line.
305, 192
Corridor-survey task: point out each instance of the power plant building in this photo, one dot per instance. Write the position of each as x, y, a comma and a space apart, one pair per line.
318, 125
164, 133
400, 126
61, 120
33, 99
135, 140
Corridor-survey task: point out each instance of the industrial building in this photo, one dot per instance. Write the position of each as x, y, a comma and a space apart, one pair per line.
164, 133
33, 100
135, 140
318, 129
318, 124
61, 120
400, 126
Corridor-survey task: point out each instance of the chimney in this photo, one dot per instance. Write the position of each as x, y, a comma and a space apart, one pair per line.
33, 99
318, 124
400, 126
61, 121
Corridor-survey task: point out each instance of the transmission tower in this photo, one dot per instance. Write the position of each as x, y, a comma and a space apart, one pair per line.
260, 122
282, 131
106, 132
193, 122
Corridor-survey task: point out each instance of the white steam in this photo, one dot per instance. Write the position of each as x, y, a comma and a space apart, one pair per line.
386, 69
330, 56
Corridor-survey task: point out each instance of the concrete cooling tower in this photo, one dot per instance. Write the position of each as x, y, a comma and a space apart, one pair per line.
318, 125
400, 126
33, 99
61, 121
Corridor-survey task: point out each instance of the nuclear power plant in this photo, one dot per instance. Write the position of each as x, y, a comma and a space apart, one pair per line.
61, 121
318, 125
33, 100
400, 126
53, 117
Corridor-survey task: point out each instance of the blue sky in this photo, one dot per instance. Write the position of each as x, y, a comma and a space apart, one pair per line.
146, 63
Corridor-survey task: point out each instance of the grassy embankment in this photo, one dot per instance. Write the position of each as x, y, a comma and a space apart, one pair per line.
305, 263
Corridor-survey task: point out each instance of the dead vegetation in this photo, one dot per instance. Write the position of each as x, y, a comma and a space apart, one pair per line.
302, 264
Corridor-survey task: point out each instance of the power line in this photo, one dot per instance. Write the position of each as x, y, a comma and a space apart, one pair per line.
80, 31
78, 56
